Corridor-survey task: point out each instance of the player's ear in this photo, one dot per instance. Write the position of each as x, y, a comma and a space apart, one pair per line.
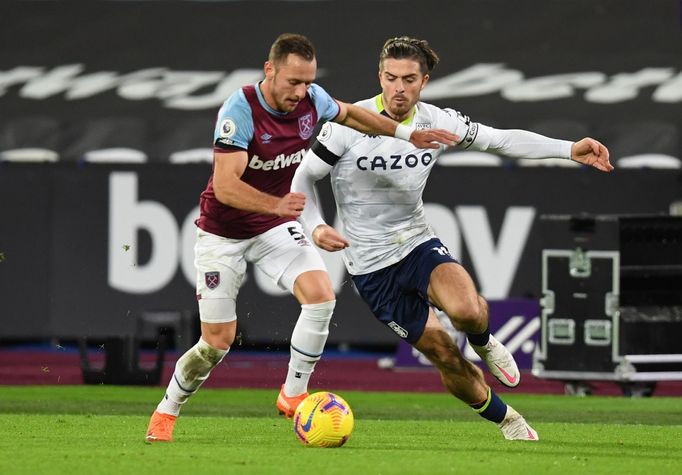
425, 80
268, 69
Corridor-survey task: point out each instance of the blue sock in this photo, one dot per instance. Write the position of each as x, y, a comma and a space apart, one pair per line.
479, 339
492, 408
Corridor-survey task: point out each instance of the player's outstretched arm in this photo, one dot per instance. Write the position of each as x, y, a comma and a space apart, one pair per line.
591, 152
369, 122
516, 143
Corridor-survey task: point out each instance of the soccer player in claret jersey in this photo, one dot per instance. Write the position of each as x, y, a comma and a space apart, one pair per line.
400, 268
249, 215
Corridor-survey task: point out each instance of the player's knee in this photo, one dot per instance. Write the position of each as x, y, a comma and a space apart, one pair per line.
313, 287
314, 292
218, 322
220, 337
320, 296
465, 313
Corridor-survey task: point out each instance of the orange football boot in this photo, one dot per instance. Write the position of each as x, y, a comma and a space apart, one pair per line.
160, 427
287, 405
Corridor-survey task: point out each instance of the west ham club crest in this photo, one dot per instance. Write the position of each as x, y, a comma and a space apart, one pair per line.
212, 279
306, 126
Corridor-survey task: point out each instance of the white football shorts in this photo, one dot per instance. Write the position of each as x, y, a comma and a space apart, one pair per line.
282, 253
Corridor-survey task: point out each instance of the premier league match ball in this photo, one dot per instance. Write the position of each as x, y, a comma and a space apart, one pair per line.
323, 420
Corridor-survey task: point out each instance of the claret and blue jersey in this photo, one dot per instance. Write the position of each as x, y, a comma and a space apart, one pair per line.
275, 143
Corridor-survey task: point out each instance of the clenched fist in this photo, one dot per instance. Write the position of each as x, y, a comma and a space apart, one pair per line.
290, 205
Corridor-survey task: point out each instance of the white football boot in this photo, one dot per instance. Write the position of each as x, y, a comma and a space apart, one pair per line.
515, 427
500, 362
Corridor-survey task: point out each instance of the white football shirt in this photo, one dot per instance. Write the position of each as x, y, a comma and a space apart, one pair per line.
378, 181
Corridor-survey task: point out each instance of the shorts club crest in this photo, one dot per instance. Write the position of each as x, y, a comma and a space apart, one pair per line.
212, 279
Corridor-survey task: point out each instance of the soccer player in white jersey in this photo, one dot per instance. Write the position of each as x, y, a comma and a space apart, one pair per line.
400, 268
249, 215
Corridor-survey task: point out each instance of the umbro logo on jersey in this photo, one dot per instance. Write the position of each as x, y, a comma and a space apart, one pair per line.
265, 138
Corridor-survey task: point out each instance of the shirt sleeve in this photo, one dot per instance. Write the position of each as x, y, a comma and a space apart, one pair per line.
332, 142
312, 169
462, 126
234, 126
327, 108
521, 143
511, 143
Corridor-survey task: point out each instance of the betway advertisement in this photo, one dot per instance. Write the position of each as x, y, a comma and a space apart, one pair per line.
87, 248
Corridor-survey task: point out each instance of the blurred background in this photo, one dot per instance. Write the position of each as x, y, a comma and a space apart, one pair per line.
107, 111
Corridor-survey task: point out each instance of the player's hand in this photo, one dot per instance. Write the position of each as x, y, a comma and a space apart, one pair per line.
328, 238
433, 138
590, 152
290, 205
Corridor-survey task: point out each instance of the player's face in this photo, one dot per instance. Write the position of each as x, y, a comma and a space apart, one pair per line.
401, 82
287, 81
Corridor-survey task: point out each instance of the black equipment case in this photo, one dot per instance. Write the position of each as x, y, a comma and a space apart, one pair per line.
611, 301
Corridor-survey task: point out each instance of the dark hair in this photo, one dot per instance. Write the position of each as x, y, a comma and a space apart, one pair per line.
411, 48
291, 43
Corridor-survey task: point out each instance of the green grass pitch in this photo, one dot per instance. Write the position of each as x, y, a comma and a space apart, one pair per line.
100, 430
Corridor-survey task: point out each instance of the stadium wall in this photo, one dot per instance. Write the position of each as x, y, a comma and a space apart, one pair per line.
87, 246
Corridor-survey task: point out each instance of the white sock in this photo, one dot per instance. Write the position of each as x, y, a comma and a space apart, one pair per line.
307, 344
191, 370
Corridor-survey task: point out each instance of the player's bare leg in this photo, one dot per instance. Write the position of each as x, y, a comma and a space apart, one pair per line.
461, 377
452, 290
191, 370
314, 291
465, 381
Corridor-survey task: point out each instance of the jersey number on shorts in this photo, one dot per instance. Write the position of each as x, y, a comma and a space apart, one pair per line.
295, 233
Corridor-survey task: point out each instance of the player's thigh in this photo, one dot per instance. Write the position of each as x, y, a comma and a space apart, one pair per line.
221, 267
283, 253
452, 289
